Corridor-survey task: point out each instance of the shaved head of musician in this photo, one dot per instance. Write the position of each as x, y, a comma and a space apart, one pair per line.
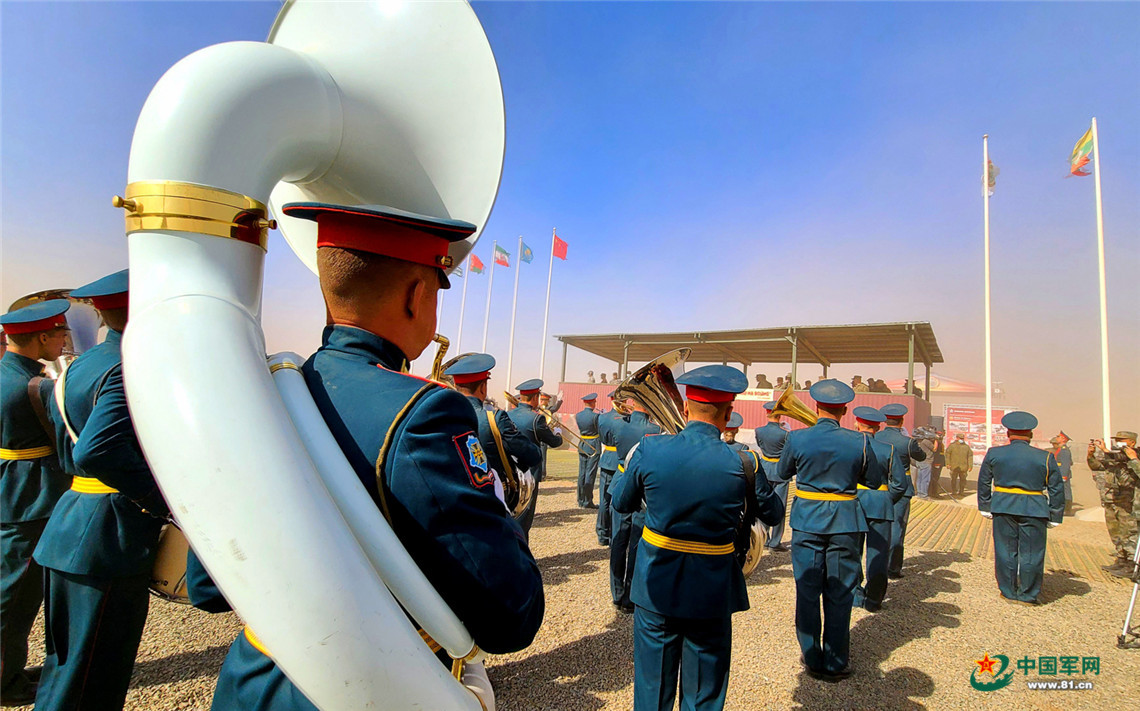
687, 582
413, 442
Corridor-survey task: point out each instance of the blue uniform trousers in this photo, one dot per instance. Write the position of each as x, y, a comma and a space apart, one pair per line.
877, 542
250, 681
776, 533
922, 478
1019, 555
827, 565
587, 472
624, 540
21, 592
699, 648
94, 626
604, 511
526, 519
898, 535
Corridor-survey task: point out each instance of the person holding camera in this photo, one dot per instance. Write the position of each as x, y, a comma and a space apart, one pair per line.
1117, 474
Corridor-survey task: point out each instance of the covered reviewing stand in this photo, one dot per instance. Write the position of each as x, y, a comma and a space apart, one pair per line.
907, 342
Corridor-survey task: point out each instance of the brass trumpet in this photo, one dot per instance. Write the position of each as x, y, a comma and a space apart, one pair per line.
569, 435
790, 406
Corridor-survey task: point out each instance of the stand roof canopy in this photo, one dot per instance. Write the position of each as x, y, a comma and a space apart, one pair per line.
826, 345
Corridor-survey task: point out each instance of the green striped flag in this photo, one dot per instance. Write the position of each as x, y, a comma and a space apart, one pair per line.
1080, 157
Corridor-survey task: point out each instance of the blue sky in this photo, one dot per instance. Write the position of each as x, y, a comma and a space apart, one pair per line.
712, 165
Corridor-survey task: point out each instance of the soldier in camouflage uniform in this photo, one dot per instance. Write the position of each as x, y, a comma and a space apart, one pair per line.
1117, 474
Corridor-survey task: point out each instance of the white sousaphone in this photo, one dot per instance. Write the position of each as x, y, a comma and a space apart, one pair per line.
388, 103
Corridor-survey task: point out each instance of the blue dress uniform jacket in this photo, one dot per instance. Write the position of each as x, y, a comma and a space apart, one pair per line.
518, 447
879, 507
770, 441
588, 456
31, 482
741, 447
906, 450
608, 425
98, 548
695, 488
625, 528
433, 484
534, 427
1022, 486
828, 463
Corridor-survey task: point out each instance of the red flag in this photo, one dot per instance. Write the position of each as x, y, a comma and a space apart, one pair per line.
476, 265
559, 248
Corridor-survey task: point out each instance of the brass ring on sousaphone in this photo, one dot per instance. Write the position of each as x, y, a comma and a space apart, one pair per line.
168, 574
655, 389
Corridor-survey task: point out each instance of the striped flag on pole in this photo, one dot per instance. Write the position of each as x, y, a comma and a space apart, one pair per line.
1080, 156
502, 257
476, 265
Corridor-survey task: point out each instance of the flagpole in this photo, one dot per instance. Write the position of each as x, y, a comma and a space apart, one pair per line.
439, 311
514, 313
546, 316
1103, 286
462, 306
989, 360
490, 283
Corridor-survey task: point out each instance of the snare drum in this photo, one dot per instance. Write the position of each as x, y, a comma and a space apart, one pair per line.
168, 577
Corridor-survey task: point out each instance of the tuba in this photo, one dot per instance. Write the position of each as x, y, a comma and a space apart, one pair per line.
348, 102
789, 405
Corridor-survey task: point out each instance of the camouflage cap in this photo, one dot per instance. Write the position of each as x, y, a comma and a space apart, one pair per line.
1125, 434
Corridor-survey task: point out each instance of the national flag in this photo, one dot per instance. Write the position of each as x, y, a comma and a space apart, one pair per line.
458, 272
1080, 157
476, 265
991, 178
502, 257
560, 248
527, 255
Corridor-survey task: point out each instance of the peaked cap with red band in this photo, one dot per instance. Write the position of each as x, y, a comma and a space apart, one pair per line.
40, 316
530, 387
713, 384
868, 415
471, 368
110, 292
386, 231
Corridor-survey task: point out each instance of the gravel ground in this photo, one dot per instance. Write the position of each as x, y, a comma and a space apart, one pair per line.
918, 652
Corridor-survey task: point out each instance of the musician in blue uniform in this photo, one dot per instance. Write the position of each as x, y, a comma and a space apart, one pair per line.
878, 507
534, 427
1021, 489
99, 545
509, 452
587, 422
770, 441
31, 481
608, 424
906, 452
412, 442
687, 583
732, 430
625, 531
829, 463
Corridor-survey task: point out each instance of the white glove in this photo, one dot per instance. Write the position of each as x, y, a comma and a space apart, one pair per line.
1053, 525
475, 679
987, 514
558, 431
500, 492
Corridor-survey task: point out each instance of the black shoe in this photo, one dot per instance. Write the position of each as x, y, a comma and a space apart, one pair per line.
895, 576
779, 548
872, 606
21, 691
34, 673
604, 544
590, 505
626, 609
830, 677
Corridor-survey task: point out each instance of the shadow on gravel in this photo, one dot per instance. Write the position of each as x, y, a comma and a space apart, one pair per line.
772, 569
908, 614
570, 676
546, 519
179, 667
557, 569
1056, 584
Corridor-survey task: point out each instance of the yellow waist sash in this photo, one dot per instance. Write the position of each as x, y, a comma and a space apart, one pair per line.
823, 496
1016, 490
588, 436
607, 448
867, 488
683, 546
88, 485
774, 460
20, 454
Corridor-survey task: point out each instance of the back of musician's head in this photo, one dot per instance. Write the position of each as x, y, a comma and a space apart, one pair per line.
716, 413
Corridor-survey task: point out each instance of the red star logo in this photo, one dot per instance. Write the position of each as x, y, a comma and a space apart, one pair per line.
986, 664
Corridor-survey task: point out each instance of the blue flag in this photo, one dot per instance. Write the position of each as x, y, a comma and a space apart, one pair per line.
527, 255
